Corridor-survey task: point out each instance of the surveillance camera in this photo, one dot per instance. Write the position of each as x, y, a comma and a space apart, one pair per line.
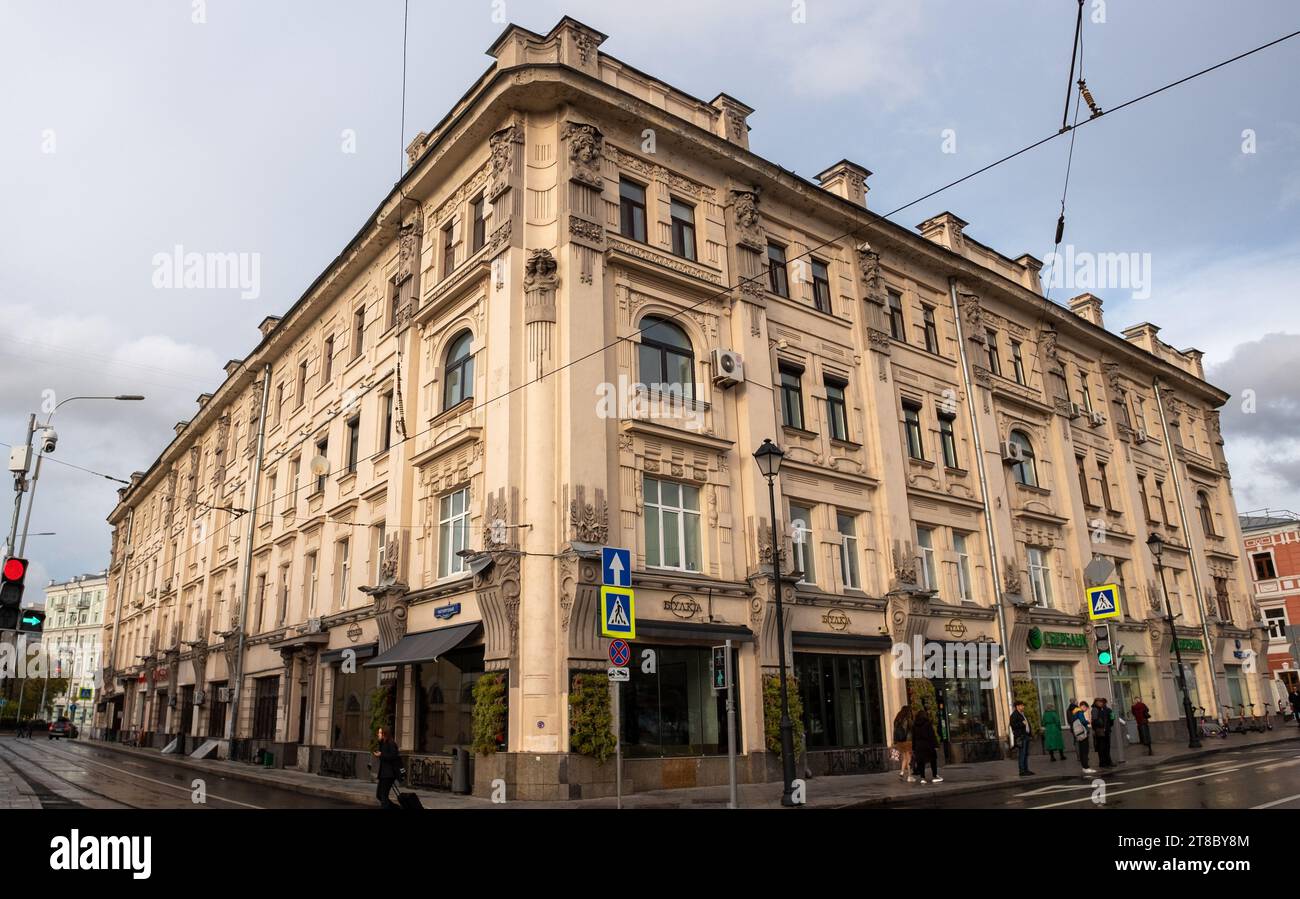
49, 440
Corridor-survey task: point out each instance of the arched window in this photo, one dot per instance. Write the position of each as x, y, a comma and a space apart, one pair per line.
1025, 471
458, 377
667, 362
1207, 514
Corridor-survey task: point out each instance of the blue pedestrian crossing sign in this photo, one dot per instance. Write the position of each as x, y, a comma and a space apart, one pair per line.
1103, 602
617, 612
615, 566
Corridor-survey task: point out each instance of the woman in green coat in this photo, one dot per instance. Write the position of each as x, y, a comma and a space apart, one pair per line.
1052, 741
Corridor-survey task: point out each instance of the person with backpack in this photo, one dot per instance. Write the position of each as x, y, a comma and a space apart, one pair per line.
1052, 741
390, 767
1079, 728
903, 741
1020, 732
925, 746
1102, 723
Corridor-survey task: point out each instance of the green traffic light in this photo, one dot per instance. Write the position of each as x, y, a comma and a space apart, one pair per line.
1104, 658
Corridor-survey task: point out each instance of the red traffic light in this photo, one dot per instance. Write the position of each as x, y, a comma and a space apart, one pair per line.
15, 569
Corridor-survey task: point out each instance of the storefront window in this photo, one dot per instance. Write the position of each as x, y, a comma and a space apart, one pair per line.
1055, 683
444, 702
1236, 686
841, 696
1128, 687
677, 711
265, 698
966, 710
351, 721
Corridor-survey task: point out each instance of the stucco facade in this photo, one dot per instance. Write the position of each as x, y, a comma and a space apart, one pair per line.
74, 625
894, 367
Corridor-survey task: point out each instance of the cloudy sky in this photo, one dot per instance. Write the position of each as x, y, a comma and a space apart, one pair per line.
130, 128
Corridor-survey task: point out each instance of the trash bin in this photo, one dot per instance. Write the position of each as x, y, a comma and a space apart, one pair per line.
460, 779
268, 759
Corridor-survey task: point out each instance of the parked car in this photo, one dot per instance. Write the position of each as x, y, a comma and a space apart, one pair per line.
63, 728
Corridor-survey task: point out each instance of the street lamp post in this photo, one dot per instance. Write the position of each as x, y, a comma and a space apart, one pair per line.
769, 457
1157, 546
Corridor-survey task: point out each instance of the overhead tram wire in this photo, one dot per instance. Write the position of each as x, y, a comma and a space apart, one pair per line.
1076, 54
994, 164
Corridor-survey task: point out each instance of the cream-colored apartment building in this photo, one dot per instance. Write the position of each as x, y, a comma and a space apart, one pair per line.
74, 626
571, 325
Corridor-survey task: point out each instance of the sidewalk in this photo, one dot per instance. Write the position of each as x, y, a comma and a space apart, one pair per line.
822, 792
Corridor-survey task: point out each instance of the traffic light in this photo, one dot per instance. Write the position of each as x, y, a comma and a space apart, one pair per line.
31, 621
1101, 635
12, 576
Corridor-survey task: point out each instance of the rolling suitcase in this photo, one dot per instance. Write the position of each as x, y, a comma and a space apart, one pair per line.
407, 800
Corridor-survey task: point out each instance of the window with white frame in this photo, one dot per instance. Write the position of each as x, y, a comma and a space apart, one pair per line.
453, 531
848, 550
310, 577
801, 541
962, 553
342, 567
1276, 621
1040, 576
929, 573
672, 525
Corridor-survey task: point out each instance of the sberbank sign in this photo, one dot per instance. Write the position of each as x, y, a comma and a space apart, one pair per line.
1056, 640
1189, 644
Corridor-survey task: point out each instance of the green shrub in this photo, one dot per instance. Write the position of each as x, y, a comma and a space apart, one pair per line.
772, 712
381, 714
591, 721
489, 714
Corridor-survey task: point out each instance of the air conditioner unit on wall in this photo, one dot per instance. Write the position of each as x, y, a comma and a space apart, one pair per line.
1012, 454
1097, 419
1142, 436
728, 368
1077, 411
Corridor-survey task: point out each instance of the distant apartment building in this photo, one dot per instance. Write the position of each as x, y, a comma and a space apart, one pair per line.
570, 326
1272, 553
74, 625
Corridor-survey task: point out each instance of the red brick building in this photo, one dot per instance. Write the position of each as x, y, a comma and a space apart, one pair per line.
1272, 543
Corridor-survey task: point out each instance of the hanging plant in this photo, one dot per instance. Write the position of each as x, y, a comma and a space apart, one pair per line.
772, 712
591, 721
489, 714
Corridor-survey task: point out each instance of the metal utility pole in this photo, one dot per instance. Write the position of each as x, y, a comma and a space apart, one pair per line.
731, 728
22, 458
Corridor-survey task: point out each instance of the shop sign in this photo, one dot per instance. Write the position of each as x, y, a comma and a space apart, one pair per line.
836, 619
354, 633
682, 605
1035, 638
1188, 644
1064, 639
450, 610
956, 628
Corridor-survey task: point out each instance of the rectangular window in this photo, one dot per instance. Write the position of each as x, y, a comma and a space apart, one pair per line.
672, 525
821, 286
266, 698
912, 425
1160, 498
270, 490
291, 495
378, 544
801, 540
1018, 361
322, 451
1080, 462
837, 410
453, 532
259, 593
1221, 599
358, 331
279, 401
386, 421
1276, 621
479, 236
309, 578
675, 711
948, 439
1105, 487
963, 567
1040, 577
1146, 500
791, 396
354, 443
928, 573
327, 359
302, 383
1262, 563
897, 325
995, 364
1084, 393
683, 228
282, 601
777, 277
931, 331
848, 550
843, 706
449, 248
631, 205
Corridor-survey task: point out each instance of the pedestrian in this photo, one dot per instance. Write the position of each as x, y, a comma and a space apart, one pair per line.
1021, 733
1101, 727
1142, 715
1052, 741
925, 747
1294, 698
390, 767
1079, 728
903, 741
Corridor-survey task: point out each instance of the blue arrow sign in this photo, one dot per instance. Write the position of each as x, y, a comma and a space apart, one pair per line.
31, 619
615, 566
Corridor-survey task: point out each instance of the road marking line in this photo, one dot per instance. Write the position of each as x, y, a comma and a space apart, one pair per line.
1165, 783
162, 783
1278, 802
